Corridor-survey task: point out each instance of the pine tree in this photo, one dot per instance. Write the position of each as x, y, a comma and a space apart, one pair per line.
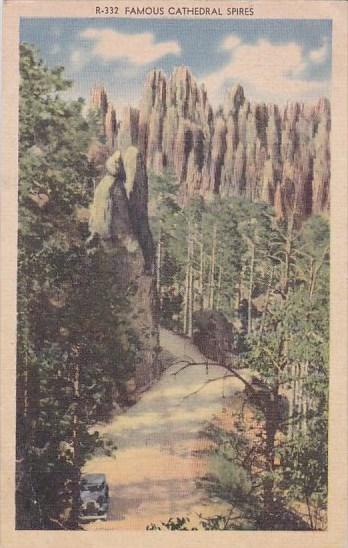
75, 350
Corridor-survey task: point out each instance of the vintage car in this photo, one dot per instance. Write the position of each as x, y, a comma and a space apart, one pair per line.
94, 494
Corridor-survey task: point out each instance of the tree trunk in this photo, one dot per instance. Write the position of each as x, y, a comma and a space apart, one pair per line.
190, 302
314, 273
187, 291
28, 510
201, 269
75, 484
296, 389
212, 270
271, 427
311, 278
292, 401
264, 312
288, 252
300, 396
304, 399
239, 294
158, 267
218, 298
309, 512
251, 285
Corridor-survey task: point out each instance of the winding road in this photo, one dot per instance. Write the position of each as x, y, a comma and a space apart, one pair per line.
152, 475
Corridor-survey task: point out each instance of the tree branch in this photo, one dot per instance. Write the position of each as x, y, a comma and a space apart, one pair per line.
209, 381
226, 367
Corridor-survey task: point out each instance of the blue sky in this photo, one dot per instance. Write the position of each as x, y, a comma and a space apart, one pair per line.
275, 60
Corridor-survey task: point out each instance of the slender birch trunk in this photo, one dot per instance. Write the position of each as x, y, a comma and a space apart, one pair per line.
159, 264
291, 401
186, 297
190, 302
188, 282
251, 285
212, 270
264, 312
305, 399
218, 298
239, 294
201, 270
300, 396
288, 252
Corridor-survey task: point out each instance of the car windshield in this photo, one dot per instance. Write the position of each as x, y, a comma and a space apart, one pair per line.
91, 487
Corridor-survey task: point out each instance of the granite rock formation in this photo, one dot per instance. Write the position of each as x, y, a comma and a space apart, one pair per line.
263, 152
119, 223
99, 151
99, 101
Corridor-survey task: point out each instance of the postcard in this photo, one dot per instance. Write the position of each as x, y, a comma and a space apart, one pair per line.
174, 274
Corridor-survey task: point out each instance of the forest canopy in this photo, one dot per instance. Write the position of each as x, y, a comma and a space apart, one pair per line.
75, 348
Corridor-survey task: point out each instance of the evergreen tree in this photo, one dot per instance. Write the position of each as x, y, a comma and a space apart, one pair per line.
75, 349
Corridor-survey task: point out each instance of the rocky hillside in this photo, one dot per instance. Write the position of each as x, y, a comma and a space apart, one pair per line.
259, 151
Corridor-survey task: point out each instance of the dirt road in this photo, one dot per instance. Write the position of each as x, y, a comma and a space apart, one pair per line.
152, 476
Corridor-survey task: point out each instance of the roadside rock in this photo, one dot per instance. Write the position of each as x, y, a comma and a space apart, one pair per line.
213, 335
119, 223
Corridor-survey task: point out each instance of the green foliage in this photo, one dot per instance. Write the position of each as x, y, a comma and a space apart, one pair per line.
271, 279
75, 348
173, 524
235, 224
234, 468
233, 478
94, 119
305, 470
219, 522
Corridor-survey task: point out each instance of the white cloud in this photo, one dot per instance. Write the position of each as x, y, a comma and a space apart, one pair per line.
321, 54
139, 49
268, 71
78, 60
231, 42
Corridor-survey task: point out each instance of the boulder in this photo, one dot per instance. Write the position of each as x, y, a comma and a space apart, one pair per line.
213, 335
